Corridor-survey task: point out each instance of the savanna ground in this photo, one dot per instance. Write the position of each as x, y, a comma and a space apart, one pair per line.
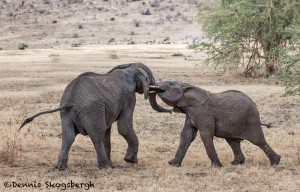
34, 80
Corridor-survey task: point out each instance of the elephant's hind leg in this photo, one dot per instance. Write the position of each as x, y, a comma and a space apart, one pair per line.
235, 145
102, 158
256, 136
68, 137
271, 154
97, 129
107, 143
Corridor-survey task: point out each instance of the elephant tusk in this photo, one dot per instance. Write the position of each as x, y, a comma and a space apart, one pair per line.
153, 89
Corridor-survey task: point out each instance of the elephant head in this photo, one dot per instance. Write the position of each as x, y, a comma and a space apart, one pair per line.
179, 94
145, 79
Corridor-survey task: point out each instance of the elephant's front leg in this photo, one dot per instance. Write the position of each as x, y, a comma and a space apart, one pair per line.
207, 139
188, 135
235, 145
125, 128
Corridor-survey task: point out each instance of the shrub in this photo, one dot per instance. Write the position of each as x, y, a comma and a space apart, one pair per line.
291, 75
111, 40
76, 45
147, 12
22, 46
136, 23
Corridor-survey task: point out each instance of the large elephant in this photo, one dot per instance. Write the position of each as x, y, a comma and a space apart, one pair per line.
92, 102
231, 115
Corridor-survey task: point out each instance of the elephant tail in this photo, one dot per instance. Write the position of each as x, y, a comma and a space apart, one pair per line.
267, 125
29, 119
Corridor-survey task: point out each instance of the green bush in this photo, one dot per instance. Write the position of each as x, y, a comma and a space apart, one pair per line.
291, 75
22, 46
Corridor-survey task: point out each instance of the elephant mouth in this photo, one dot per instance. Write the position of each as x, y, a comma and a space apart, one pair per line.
155, 89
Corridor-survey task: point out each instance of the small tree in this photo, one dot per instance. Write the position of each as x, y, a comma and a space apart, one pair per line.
259, 35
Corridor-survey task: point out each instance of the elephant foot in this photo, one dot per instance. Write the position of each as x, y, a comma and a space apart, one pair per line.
216, 164
135, 161
275, 160
61, 167
174, 163
131, 159
104, 165
238, 161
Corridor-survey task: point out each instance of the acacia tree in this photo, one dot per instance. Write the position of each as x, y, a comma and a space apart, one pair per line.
261, 36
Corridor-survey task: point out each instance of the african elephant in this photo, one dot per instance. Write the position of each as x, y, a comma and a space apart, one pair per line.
92, 102
231, 115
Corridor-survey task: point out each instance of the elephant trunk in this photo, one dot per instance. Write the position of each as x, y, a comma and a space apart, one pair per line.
155, 106
147, 91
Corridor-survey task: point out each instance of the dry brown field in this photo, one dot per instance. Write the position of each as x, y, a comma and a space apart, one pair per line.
33, 80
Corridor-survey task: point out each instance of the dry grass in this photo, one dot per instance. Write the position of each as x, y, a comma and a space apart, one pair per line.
11, 145
32, 80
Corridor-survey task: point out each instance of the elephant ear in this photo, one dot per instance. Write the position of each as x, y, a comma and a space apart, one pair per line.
193, 97
144, 79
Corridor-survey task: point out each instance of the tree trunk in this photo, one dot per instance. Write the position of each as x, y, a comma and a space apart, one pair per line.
271, 59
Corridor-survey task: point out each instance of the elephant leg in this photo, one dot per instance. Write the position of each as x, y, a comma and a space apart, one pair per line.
239, 157
257, 138
97, 129
188, 135
271, 154
103, 160
107, 144
125, 128
207, 139
68, 137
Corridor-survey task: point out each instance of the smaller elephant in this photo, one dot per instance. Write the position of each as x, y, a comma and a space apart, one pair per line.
231, 115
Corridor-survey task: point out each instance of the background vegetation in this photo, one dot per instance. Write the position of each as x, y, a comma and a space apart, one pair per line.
261, 38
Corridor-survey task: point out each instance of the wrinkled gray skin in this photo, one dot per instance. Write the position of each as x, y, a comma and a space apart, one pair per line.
92, 102
231, 115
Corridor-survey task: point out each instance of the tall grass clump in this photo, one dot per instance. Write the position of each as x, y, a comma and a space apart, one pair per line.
11, 144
